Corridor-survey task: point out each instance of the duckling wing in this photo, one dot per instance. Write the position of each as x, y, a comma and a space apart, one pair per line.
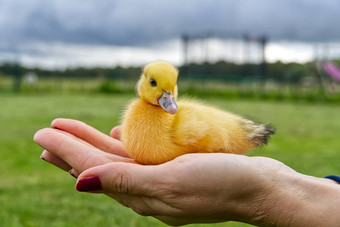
200, 128
190, 125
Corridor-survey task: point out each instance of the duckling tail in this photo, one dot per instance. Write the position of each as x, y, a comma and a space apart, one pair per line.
263, 135
259, 134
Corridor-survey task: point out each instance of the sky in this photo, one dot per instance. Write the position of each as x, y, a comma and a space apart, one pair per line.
69, 33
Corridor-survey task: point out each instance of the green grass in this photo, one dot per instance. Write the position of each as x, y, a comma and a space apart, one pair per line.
34, 193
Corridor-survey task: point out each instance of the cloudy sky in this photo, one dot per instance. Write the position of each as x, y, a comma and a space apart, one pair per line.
53, 33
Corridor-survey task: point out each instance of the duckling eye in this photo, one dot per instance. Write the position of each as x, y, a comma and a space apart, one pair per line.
153, 82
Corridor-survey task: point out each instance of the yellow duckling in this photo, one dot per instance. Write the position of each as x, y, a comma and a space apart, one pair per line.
156, 129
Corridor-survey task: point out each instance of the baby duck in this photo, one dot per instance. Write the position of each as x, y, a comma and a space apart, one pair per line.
156, 129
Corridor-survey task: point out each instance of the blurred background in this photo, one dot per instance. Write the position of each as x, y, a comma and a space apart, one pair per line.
272, 61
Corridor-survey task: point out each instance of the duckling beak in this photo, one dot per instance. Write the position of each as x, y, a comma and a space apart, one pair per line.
168, 103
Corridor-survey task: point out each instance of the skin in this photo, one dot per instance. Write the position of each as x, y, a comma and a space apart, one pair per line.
193, 188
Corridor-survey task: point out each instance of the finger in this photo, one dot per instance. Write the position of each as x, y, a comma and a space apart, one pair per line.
115, 132
91, 135
58, 162
124, 178
132, 185
75, 138
55, 160
77, 154
145, 189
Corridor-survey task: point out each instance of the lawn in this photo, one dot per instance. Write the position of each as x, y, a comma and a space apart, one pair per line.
34, 193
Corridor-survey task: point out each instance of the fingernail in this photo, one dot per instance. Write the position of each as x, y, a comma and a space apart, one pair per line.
43, 158
89, 184
54, 122
36, 136
72, 172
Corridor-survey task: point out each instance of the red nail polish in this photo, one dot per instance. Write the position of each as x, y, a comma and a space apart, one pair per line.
89, 184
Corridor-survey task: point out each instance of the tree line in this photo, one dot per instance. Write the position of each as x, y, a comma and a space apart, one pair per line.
278, 71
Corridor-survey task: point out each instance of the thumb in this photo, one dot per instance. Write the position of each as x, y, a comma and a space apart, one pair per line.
120, 177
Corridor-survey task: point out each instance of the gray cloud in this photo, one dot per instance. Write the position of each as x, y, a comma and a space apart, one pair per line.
134, 22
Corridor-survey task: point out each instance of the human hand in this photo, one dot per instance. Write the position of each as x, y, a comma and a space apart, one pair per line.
192, 188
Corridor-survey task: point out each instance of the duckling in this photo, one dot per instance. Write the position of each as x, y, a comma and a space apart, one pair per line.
157, 129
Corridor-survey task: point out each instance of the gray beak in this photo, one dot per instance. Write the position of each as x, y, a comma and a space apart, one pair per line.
168, 103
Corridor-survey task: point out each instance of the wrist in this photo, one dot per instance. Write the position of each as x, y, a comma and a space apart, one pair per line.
293, 199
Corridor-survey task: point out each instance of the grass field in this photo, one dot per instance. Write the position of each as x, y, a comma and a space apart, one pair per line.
34, 193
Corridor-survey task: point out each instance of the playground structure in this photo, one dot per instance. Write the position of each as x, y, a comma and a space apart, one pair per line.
248, 53
237, 48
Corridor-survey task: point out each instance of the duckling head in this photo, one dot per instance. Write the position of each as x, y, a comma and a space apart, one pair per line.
157, 85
